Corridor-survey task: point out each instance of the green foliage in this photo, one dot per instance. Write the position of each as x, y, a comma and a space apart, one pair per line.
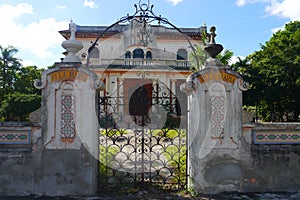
274, 76
114, 132
18, 96
198, 57
9, 65
25, 78
225, 56
17, 106
176, 156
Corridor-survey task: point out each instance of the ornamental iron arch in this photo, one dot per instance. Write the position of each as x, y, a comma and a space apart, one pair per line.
141, 138
143, 14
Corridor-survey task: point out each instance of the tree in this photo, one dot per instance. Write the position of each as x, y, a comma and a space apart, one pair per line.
9, 65
274, 75
200, 56
17, 106
25, 78
225, 56
18, 96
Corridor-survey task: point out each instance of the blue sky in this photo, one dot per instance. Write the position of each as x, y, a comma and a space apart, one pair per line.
32, 25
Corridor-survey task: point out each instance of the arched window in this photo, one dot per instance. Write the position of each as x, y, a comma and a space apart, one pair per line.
181, 54
95, 53
138, 53
148, 55
128, 54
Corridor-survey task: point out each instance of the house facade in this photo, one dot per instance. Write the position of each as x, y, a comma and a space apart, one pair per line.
139, 61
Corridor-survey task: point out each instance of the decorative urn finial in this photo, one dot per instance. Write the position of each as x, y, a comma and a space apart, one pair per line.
212, 48
72, 45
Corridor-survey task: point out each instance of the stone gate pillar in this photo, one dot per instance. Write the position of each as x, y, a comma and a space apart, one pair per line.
68, 164
214, 125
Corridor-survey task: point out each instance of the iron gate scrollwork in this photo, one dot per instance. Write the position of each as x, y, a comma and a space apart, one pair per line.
142, 138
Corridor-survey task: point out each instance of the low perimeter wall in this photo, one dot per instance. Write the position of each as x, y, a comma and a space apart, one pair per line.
26, 167
269, 161
272, 151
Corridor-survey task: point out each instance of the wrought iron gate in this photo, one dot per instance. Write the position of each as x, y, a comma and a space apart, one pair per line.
142, 139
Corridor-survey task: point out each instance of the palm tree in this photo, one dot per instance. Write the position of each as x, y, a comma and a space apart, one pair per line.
9, 64
225, 56
198, 57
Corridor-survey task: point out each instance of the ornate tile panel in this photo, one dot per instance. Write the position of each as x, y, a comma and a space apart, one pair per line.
67, 118
218, 116
14, 137
276, 137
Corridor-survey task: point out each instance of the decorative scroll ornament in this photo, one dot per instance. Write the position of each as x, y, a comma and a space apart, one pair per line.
244, 86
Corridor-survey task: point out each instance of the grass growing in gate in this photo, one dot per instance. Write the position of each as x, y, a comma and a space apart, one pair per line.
174, 151
176, 156
106, 158
169, 133
114, 132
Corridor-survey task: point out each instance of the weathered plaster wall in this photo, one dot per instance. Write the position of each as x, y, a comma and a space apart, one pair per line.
31, 169
273, 164
226, 155
59, 155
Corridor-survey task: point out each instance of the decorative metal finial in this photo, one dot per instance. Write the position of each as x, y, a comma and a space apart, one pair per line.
144, 6
145, 16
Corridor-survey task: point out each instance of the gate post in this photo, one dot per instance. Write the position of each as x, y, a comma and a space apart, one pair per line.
215, 125
69, 152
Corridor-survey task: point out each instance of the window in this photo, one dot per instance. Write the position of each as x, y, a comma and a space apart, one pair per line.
181, 54
138, 53
95, 53
149, 55
128, 54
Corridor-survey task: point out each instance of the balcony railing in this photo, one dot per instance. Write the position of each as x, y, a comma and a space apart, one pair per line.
127, 62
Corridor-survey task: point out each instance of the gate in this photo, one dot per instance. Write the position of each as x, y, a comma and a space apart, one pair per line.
142, 138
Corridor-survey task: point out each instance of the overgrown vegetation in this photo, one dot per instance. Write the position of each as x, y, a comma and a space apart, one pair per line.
18, 96
274, 76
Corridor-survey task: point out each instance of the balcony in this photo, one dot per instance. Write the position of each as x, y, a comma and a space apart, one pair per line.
129, 63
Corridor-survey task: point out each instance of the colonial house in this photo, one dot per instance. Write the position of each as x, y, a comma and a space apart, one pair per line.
141, 64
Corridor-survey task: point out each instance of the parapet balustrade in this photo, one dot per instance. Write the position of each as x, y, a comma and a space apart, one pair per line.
138, 62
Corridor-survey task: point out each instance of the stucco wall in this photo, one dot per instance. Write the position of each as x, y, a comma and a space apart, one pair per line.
32, 169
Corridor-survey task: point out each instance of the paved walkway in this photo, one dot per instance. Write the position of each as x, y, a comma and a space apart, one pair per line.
158, 195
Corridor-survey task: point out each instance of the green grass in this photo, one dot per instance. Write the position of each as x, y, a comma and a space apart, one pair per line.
169, 133
176, 156
114, 132
106, 157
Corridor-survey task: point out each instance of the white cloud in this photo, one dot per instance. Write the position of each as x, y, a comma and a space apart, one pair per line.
284, 8
60, 7
244, 2
28, 63
235, 59
287, 9
37, 38
9, 12
275, 29
174, 2
90, 4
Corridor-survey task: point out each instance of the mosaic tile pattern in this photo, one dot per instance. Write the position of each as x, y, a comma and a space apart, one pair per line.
217, 116
276, 137
67, 118
14, 137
